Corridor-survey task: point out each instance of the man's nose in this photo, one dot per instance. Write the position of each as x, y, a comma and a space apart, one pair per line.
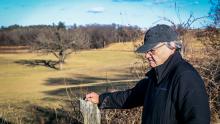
147, 55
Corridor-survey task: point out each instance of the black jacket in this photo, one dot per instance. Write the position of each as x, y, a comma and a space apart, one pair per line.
172, 93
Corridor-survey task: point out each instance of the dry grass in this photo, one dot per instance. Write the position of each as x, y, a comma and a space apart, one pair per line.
34, 84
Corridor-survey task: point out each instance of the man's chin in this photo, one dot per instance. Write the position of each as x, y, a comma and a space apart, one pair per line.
153, 65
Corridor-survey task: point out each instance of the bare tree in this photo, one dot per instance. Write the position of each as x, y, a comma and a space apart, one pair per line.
60, 42
215, 12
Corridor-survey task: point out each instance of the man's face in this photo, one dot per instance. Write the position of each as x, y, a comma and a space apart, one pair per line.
158, 55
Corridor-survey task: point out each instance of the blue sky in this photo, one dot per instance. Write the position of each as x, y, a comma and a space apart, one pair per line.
144, 13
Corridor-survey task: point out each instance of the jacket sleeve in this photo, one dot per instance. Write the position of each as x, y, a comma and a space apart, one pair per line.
193, 106
124, 99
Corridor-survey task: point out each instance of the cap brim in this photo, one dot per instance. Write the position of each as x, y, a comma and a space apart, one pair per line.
145, 48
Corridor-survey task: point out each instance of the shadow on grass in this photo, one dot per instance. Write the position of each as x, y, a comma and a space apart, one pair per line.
82, 79
99, 88
33, 63
3, 121
42, 115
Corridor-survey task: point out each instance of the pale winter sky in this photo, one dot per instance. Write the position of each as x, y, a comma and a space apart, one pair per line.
143, 13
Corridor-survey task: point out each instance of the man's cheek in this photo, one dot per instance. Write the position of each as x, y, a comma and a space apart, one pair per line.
155, 58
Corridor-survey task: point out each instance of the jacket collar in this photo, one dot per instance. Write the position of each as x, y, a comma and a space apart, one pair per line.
161, 71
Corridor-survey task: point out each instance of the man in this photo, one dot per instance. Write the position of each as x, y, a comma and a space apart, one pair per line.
172, 92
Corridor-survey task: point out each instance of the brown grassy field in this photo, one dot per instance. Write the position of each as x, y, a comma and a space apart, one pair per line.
23, 83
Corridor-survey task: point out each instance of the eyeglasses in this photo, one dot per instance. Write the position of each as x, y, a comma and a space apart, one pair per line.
155, 48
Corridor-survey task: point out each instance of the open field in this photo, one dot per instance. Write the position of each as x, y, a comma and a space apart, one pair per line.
22, 83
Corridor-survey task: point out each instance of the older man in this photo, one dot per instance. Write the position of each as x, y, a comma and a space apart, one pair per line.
172, 92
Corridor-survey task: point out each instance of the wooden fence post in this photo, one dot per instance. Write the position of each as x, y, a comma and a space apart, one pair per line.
90, 112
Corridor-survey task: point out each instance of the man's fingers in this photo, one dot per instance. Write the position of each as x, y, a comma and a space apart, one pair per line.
89, 99
88, 96
92, 97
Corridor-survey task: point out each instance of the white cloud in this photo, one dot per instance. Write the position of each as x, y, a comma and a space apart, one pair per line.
127, 0
160, 1
196, 2
96, 10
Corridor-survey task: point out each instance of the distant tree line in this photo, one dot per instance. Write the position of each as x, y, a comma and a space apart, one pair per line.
85, 37
61, 41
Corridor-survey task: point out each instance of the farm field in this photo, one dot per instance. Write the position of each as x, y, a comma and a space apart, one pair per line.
22, 81
23, 84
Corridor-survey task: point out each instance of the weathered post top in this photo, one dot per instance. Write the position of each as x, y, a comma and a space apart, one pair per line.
90, 112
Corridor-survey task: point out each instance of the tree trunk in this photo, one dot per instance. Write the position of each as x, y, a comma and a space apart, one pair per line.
61, 60
60, 65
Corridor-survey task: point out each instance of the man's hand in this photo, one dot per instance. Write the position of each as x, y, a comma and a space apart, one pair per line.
92, 97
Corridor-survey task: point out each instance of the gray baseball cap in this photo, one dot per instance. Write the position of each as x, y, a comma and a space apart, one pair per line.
157, 34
